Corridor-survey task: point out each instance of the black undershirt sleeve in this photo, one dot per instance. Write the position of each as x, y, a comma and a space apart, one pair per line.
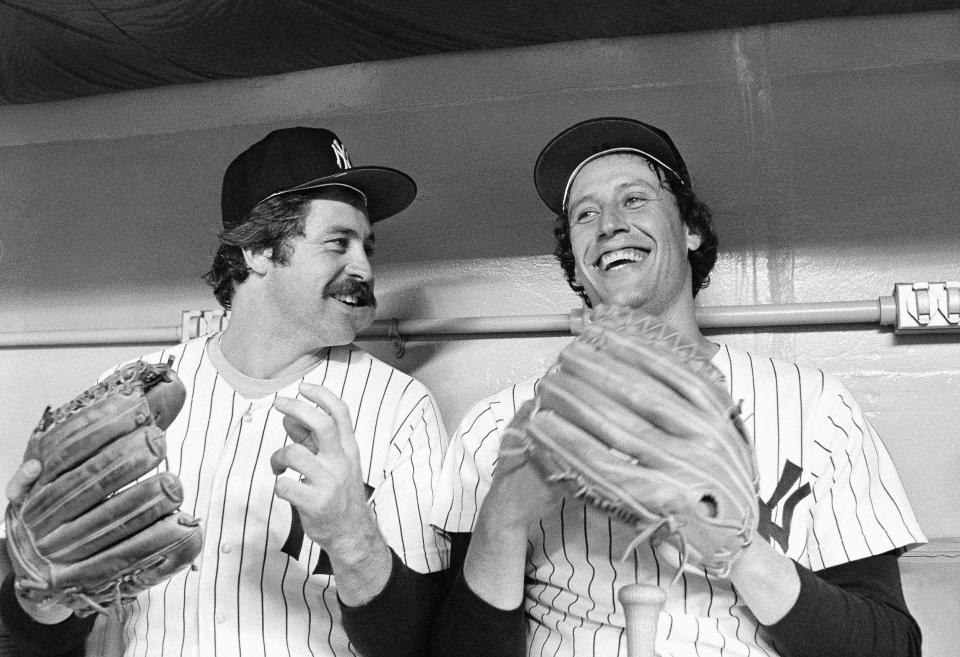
397, 621
467, 626
854, 609
414, 608
25, 637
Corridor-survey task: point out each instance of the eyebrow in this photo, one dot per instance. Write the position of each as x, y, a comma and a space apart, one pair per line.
350, 232
619, 188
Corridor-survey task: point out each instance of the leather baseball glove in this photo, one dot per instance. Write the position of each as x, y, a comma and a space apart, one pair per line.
635, 419
91, 534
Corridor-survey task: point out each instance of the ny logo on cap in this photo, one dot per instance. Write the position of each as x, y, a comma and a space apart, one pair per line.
343, 160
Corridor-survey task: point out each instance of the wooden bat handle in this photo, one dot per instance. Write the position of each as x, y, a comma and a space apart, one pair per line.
641, 608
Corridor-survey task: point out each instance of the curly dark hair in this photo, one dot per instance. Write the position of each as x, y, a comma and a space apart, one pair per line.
694, 213
272, 224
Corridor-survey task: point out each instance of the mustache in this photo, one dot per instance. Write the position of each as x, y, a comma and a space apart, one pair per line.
351, 287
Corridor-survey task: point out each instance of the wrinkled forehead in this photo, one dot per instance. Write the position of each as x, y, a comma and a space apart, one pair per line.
610, 171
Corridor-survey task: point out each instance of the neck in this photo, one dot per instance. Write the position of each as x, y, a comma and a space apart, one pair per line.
264, 349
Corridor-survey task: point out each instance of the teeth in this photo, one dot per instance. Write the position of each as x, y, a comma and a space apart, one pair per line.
607, 260
347, 298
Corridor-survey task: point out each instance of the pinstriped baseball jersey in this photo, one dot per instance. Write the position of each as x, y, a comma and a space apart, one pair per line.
261, 586
828, 494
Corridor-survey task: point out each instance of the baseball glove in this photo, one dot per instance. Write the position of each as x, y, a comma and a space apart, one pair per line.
635, 419
91, 534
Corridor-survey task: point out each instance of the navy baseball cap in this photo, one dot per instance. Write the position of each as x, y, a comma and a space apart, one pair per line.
299, 159
561, 160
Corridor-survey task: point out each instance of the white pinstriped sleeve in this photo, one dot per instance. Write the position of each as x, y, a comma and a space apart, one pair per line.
404, 499
467, 470
472, 456
860, 507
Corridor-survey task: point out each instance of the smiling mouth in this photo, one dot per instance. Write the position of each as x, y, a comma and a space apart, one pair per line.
619, 258
351, 300
353, 294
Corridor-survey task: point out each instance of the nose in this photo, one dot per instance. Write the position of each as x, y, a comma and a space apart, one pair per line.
611, 222
358, 266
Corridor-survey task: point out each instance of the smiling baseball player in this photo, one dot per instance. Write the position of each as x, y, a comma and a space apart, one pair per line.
309, 463
814, 568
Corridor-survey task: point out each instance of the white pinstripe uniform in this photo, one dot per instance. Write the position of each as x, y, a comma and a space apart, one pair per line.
832, 493
257, 591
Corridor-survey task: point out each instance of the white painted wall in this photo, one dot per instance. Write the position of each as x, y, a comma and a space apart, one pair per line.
830, 152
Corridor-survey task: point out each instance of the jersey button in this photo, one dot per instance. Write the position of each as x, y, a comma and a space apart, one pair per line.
247, 417
221, 617
226, 548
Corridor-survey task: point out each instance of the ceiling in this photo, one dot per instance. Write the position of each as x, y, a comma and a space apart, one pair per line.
56, 50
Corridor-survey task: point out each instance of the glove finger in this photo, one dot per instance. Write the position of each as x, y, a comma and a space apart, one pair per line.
712, 444
620, 485
694, 378
66, 445
152, 555
640, 404
136, 395
120, 516
570, 456
645, 396
616, 427
82, 488
22, 481
165, 393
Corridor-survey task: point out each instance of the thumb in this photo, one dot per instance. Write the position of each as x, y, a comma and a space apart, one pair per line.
22, 480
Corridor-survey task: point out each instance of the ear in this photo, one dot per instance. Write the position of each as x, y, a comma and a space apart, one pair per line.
258, 261
694, 240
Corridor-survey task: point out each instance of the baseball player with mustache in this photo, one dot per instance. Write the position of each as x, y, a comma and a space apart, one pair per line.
311, 464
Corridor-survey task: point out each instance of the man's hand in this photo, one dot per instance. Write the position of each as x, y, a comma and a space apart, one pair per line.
330, 495
518, 496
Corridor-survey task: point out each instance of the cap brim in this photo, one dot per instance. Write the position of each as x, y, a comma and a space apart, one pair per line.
388, 191
564, 154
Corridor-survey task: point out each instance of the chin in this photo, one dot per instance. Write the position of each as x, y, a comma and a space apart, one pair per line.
339, 340
629, 299
343, 332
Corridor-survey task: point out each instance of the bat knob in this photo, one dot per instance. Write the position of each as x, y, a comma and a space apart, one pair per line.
642, 604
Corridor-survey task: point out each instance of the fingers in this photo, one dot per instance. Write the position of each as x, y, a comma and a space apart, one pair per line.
298, 458
22, 480
307, 424
335, 407
308, 435
323, 427
298, 494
